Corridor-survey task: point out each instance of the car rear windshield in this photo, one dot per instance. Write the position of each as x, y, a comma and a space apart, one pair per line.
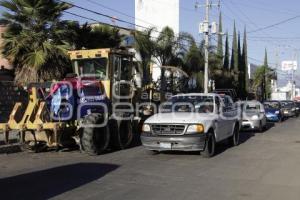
287, 104
252, 107
272, 105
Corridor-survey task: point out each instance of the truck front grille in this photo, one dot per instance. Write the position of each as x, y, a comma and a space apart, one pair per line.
165, 129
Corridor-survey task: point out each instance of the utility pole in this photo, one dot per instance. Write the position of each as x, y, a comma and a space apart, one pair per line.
293, 75
264, 85
277, 68
206, 47
205, 28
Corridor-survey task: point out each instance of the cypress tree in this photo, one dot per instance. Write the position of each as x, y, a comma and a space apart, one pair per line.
245, 61
235, 54
240, 59
264, 82
266, 58
241, 72
226, 56
220, 40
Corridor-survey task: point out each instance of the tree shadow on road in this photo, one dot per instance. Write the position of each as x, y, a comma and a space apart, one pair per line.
49, 183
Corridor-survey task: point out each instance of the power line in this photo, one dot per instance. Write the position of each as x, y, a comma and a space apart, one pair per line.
91, 19
246, 16
101, 14
265, 9
117, 11
120, 20
248, 19
123, 21
274, 25
120, 27
275, 38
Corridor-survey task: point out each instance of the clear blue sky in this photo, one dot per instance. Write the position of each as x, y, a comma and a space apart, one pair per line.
254, 14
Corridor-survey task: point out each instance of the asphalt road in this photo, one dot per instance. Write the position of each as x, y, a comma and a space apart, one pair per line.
264, 166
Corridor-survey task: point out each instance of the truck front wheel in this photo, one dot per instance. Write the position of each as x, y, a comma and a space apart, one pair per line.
210, 146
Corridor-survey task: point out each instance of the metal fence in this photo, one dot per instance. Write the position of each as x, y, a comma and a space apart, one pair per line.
9, 95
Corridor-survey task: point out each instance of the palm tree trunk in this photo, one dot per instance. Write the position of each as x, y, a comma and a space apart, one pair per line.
26, 75
162, 84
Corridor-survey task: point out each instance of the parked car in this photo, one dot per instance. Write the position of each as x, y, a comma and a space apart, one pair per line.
253, 116
297, 103
289, 109
274, 111
191, 122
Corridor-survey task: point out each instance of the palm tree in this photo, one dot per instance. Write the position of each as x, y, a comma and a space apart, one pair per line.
194, 64
92, 36
261, 81
78, 34
169, 51
145, 46
104, 36
34, 42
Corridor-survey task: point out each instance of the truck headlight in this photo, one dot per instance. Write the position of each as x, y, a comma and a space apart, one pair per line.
277, 112
146, 128
254, 117
195, 128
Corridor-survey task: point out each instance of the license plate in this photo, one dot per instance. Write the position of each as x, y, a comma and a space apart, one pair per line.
165, 145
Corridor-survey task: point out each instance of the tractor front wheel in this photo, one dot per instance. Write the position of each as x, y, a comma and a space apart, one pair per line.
95, 137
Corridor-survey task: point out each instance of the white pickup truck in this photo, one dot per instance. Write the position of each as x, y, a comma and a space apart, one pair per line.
192, 122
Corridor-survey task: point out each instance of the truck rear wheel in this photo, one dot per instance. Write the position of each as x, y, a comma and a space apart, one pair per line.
94, 140
122, 134
234, 140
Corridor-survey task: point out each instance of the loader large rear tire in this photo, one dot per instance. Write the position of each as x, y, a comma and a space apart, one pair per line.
94, 139
122, 136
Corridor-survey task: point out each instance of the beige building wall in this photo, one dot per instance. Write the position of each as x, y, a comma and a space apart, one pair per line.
3, 61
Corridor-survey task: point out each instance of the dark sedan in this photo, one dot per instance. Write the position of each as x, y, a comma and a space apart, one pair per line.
289, 109
298, 107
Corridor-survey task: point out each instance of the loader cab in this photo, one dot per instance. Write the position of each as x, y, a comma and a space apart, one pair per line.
94, 67
112, 67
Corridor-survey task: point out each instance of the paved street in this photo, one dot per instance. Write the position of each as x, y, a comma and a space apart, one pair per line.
264, 166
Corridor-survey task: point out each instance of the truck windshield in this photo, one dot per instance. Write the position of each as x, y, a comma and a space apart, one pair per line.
96, 67
200, 104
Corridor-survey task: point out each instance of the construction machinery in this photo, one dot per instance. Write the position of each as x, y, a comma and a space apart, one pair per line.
94, 107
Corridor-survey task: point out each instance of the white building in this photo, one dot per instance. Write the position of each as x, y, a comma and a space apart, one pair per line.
251, 70
157, 14
291, 90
